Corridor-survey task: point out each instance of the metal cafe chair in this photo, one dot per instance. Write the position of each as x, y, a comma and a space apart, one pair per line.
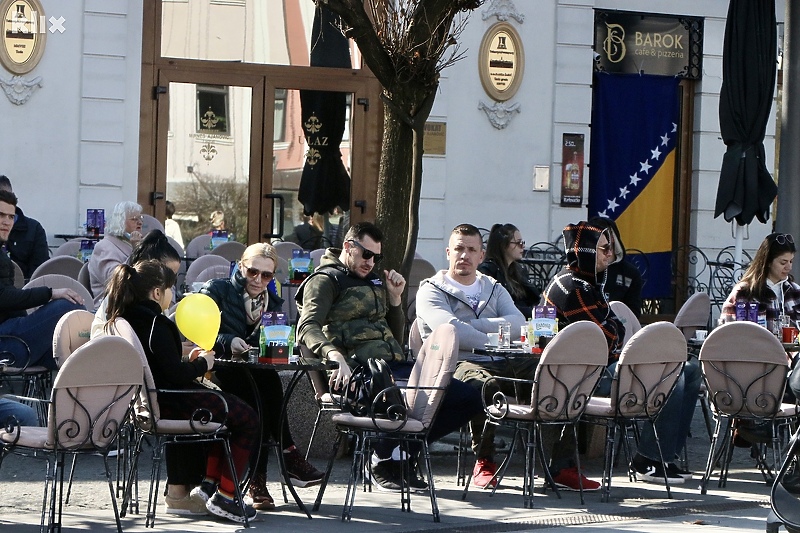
567, 374
744, 367
93, 395
648, 369
409, 423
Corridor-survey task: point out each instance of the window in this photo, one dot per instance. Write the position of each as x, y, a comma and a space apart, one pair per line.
212, 109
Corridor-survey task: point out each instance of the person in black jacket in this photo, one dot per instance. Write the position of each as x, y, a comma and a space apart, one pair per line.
139, 294
503, 252
242, 299
35, 329
27, 242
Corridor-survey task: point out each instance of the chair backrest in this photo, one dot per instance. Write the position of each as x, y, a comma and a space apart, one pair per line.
84, 279
231, 250
149, 223
202, 263
628, 319
62, 264
93, 394
282, 270
745, 369
213, 272
316, 256
415, 337
19, 276
285, 248
570, 367
58, 281
147, 402
420, 269
71, 248
72, 331
434, 367
648, 368
175, 244
694, 314
199, 246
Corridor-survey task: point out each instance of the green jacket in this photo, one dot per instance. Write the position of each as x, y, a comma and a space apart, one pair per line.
343, 312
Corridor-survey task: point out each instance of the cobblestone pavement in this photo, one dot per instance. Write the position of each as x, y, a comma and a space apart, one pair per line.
742, 506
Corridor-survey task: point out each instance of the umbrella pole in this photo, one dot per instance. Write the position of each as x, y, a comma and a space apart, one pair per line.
737, 248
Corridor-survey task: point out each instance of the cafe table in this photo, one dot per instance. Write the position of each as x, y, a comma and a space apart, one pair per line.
298, 370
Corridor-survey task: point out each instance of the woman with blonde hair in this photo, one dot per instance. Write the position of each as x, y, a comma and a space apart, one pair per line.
123, 230
242, 299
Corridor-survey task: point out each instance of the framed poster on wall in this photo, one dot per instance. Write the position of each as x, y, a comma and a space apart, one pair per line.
572, 158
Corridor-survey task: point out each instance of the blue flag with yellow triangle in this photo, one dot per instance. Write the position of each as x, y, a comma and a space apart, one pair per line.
633, 166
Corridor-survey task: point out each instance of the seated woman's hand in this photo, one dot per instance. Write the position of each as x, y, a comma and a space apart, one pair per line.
238, 346
340, 377
209, 357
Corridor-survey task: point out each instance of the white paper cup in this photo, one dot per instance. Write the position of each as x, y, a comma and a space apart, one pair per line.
493, 338
700, 334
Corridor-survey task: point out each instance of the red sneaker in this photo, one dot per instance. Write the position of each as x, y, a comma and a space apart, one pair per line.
483, 473
568, 479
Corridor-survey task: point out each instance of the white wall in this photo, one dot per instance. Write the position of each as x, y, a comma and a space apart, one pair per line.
74, 144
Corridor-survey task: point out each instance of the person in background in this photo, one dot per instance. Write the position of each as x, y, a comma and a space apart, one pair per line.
309, 233
217, 220
123, 231
35, 329
242, 299
623, 279
476, 305
27, 242
503, 252
23, 414
139, 294
577, 293
768, 281
171, 227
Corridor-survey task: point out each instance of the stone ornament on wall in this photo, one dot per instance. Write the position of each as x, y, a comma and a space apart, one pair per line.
503, 10
23, 34
18, 89
499, 113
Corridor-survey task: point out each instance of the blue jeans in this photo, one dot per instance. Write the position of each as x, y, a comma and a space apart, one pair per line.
36, 330
25, 415
675, 419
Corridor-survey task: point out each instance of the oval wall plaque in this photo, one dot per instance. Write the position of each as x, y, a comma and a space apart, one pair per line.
501, 61
24, 33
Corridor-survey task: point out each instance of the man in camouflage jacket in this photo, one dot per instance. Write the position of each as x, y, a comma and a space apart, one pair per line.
347, 313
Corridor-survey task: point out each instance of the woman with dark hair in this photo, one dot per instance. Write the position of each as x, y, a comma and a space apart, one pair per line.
503, 252
768, 281
139, 294
242, 299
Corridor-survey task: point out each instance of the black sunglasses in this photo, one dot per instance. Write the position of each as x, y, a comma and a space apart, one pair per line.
783, 238
254, 273
368, 254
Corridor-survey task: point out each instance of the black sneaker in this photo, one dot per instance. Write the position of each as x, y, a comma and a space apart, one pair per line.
674, 470
386, 475
416, 482
652, 471
204, 491
221, 506
301, 472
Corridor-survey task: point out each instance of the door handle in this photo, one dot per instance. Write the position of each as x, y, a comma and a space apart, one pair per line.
281, 209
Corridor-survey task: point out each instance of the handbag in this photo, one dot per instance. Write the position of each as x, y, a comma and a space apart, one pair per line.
366, 395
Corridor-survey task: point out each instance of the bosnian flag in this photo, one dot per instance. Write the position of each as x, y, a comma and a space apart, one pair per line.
633, 166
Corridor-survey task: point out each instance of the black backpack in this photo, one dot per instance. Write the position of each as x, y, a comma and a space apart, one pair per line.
363, 394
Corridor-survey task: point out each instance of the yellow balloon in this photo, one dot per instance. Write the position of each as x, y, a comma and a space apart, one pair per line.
198, 318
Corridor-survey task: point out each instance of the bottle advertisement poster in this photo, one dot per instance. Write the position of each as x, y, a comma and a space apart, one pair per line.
572, 156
